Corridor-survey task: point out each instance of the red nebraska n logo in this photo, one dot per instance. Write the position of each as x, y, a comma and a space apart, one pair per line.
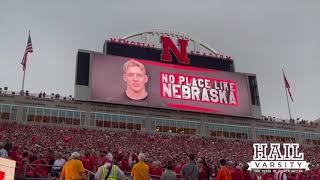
168, 45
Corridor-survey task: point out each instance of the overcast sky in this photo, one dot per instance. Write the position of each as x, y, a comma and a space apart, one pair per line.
262, 36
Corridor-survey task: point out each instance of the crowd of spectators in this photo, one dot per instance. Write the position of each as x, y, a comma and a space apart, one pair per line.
289, 121
42, 94
35, 147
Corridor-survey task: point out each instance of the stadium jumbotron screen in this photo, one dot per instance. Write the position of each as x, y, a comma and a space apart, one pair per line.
123, 80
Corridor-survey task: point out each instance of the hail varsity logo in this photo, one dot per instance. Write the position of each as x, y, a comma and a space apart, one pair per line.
285, 157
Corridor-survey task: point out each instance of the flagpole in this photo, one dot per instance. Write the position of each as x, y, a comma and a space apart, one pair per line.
29, 45
24, 75
285, 89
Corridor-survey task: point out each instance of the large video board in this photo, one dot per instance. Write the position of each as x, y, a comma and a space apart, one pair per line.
123, 80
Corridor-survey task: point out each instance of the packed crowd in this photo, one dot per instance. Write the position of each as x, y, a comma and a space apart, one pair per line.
289, 121
39, 95
42, 146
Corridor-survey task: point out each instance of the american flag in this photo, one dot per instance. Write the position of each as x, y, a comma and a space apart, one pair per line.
29, 49
287, 85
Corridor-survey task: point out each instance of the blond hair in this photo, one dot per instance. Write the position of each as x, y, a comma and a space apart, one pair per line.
132, 63
141, 157
75, 155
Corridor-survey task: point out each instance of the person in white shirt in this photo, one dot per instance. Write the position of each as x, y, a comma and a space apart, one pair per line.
3, 152
58, 164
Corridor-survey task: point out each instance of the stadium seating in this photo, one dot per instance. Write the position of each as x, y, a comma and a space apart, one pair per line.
38, 145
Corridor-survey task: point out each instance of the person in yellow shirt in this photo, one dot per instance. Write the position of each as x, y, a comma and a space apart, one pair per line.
73, 169
140, 171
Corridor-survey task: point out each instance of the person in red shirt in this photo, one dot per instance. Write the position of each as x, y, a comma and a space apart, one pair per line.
268, 176
231, 166
315, 177
204, 169
202, 172
299, 176
88, 161
15, 154
156, 169
178, 167
133, 159
246, 173
152, 169
41, 170
237, 174
102, 159
291, 176
124, 165
26, 168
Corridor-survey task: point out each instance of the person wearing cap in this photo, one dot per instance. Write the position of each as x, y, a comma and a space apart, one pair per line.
73, 169
190, 170
140, 171
109, 171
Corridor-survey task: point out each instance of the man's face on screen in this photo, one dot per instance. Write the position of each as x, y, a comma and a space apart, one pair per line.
135, 78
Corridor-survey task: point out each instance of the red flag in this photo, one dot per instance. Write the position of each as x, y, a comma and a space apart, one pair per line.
287, 85
29, 49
